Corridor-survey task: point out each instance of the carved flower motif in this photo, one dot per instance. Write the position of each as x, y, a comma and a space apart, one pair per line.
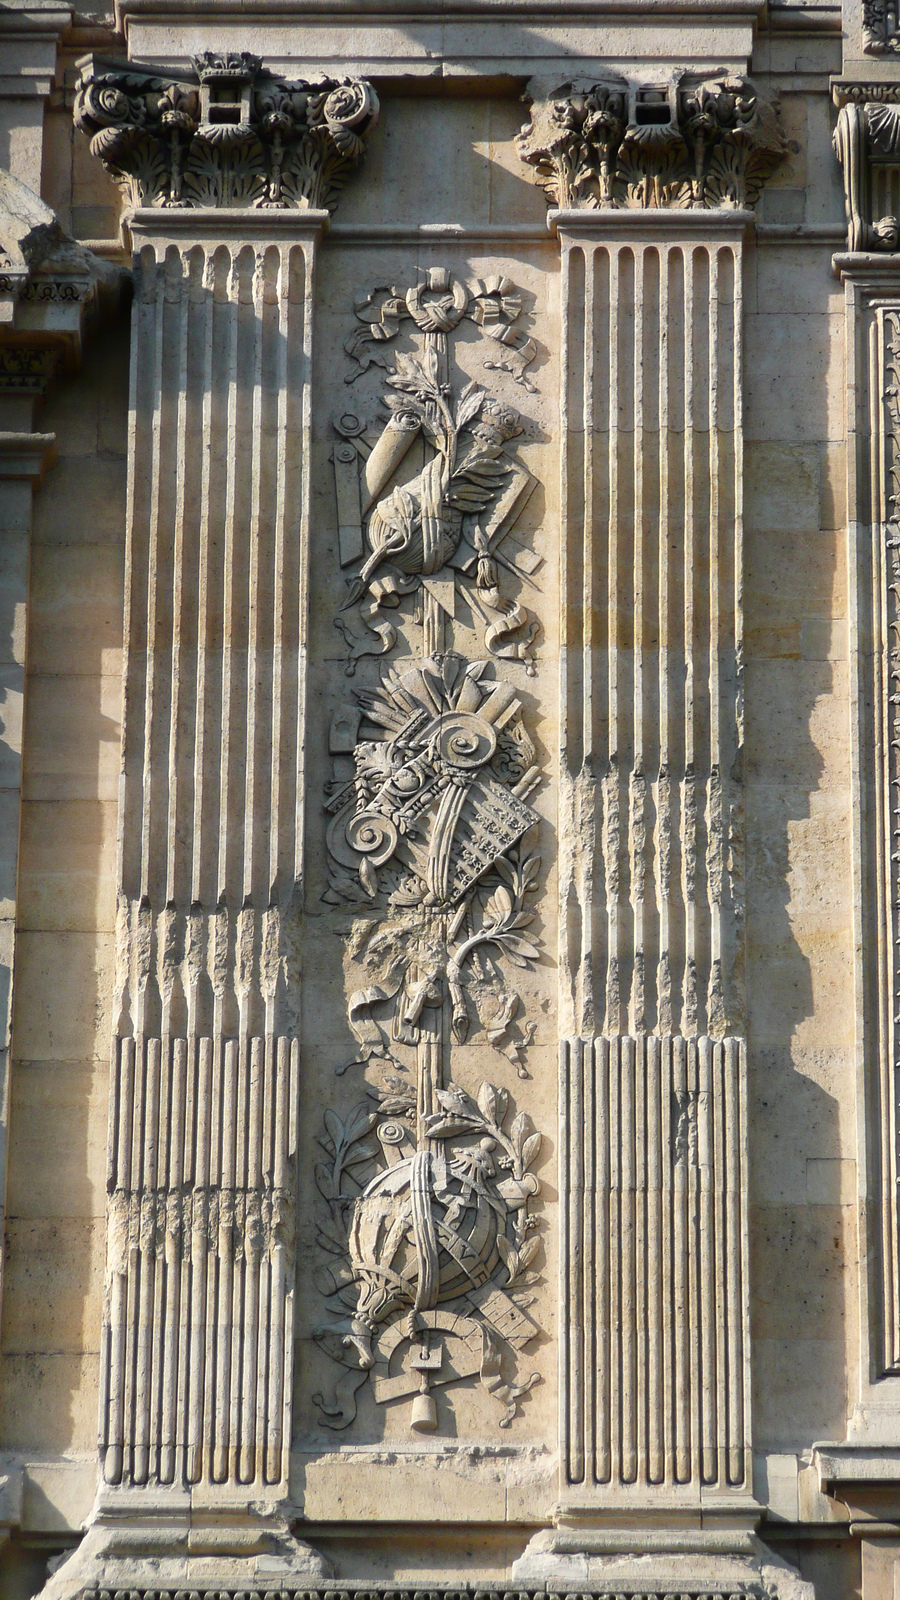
350, 112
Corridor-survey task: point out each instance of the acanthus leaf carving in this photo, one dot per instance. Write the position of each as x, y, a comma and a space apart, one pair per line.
690, 143
230, 134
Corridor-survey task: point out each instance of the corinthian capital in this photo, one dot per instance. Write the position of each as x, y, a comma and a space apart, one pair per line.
229, 133
691, 142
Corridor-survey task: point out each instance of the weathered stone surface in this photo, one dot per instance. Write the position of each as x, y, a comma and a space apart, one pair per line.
448, 797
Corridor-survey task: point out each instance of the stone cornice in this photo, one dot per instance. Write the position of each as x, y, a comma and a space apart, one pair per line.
495, 10
26, 456
228, 134
196, 225
686, 143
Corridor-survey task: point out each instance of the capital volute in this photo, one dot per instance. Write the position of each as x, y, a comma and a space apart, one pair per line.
229, 134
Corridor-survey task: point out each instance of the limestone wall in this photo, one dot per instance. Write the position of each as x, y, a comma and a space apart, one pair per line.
294, 983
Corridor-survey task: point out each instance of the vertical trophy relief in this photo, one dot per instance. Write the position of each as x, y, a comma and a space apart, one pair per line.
427, 1241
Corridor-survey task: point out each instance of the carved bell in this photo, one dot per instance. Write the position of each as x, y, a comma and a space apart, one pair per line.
424, 1417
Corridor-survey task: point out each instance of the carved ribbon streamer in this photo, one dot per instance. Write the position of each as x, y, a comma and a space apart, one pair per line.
359, 1012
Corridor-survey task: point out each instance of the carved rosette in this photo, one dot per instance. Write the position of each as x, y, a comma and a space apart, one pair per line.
230, 134
708, 143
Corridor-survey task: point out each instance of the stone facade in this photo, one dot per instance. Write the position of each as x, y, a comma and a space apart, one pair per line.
449, 772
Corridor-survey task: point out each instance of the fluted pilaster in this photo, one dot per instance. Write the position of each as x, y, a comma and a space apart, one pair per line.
654, 1363
198, 1337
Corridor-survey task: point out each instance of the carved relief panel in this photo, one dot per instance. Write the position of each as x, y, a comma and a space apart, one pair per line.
427, 1236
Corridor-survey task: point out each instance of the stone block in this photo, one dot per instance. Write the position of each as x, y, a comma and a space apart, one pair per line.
799, 1391
803, 1245
796, 385
63, 999
830, 1181
781, 487
60, 1493
48, 1402
73, 738
797, 729
76, 608
57, 1167
53, 1284
833, 459
82, 502
67, 866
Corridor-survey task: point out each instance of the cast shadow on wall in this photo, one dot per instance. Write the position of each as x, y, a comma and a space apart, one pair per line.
56, 1221
797, 879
